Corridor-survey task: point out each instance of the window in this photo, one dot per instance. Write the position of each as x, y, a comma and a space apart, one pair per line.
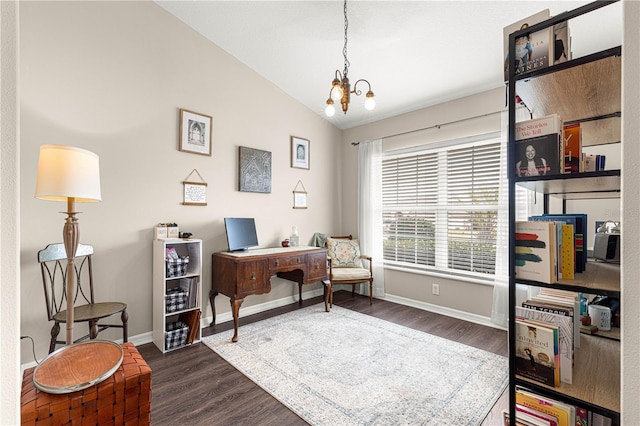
440, 207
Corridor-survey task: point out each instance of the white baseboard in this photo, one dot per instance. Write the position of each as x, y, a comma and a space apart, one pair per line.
454, 313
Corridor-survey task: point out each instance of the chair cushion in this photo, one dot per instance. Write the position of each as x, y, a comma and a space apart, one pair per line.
344, 253
350, 274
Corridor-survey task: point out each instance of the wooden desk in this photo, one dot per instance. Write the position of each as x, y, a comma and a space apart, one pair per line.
240, 274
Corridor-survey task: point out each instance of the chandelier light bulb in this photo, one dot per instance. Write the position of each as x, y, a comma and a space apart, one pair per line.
330, 110
370, 103
336, 92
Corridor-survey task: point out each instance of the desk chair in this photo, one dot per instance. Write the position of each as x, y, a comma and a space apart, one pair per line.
53, 261
345, 265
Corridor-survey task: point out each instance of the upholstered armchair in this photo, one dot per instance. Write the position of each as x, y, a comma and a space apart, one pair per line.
346, 265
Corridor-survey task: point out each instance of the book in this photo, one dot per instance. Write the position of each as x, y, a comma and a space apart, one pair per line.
572, 136
537, 352
560, 309
565, 413
532, 51
589, 161
192, 319
580, 223
564, 298
538, 147
535, 251
561, 43
568, 255
547, 418
565, 336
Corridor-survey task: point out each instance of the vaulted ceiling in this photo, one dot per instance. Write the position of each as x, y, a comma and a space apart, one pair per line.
414, 53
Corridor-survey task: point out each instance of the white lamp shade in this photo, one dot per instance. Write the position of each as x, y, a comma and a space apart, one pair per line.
68, 172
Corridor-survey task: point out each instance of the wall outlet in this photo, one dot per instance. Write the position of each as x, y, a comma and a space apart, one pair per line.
435, 289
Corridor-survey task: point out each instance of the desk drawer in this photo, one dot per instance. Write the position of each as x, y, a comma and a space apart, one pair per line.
285, 263
316, 267
252, 276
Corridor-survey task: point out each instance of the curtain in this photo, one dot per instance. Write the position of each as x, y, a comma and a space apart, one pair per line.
500, 305
370, 209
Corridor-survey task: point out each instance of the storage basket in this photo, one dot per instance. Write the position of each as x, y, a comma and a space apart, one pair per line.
175, 300
176, 336
177, 267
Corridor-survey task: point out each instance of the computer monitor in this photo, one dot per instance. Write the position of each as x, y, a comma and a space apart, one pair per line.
241, 233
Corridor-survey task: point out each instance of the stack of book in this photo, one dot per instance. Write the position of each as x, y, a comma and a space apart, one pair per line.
533, 409
547, 333
550, 247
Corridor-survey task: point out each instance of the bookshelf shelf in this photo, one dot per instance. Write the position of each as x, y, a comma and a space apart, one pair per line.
186, 309
586, 90
601, 385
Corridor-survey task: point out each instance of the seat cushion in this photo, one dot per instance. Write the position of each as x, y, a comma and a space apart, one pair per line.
344, 253
350, 274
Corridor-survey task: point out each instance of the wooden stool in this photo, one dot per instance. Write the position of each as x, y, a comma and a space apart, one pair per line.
122, 398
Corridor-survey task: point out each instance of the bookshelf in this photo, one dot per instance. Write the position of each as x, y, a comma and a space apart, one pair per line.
172, 304
585, 90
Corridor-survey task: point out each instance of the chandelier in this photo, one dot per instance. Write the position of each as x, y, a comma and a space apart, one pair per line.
340, 86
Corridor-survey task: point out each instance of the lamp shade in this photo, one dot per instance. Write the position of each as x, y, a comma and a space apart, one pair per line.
68, 172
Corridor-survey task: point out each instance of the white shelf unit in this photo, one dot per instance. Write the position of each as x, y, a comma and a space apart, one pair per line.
585, 90
163, 284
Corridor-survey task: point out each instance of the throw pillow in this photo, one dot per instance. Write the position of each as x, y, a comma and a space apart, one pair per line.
344, 253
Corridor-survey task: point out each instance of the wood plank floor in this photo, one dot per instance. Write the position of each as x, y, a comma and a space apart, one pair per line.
194, 386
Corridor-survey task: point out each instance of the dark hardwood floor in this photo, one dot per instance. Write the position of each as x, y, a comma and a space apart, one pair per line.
194, 386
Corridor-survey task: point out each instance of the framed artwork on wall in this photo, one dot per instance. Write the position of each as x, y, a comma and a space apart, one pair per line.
255, 170
195, 132
300, 152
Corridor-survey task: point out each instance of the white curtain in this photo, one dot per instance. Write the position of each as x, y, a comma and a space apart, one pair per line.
500, 306
370, 209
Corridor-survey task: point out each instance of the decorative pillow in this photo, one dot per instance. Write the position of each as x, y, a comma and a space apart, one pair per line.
344, 253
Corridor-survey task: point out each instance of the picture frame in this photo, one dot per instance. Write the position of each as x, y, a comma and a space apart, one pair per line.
195, 194
299, 200
254, 170
195, 132
299, 196
300, 152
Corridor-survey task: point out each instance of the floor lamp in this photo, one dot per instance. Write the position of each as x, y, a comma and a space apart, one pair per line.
70, 174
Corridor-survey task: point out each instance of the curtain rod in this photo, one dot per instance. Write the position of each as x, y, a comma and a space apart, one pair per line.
436, 126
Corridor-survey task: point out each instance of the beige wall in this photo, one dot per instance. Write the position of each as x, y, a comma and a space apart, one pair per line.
110, 77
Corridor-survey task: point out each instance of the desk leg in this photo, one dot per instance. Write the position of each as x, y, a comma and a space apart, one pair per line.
235, 309
300, 292
212, 301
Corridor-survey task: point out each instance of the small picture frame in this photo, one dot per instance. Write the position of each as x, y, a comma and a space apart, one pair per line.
300, 152
299, 200
195, 132
195, 194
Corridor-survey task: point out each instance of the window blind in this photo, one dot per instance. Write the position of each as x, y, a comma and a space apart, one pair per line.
440, 208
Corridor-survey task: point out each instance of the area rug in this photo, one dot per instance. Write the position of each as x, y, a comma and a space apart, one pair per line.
347, 368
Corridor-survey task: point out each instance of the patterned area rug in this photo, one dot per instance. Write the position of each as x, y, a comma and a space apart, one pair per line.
347, 368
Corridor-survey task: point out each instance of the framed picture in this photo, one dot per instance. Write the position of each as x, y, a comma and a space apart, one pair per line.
195, 132
300, 152
255, 170
299, 200
195, 194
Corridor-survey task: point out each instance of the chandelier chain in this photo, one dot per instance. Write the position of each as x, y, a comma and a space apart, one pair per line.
344, 50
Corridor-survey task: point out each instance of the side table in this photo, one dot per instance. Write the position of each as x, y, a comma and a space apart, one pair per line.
122, 398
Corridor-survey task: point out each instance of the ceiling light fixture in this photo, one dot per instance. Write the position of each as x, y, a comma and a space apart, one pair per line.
340, 87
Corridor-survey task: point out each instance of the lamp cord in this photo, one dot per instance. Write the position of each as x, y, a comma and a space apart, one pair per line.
344, 51
33, 347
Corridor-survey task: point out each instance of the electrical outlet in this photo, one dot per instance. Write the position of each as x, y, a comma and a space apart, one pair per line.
435, 289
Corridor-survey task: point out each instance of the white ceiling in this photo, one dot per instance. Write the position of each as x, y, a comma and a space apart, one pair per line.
414, 53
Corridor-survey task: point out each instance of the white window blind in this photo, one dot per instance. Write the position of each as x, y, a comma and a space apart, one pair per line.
440, 208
